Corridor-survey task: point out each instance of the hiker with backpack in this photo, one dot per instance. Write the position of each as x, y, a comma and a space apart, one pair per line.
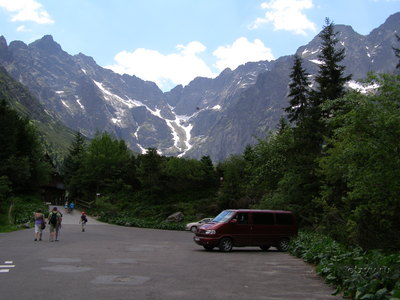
55, 219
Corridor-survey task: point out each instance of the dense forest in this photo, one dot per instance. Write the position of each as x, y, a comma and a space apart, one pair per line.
334, 161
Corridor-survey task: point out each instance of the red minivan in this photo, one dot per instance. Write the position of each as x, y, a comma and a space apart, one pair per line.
248, 227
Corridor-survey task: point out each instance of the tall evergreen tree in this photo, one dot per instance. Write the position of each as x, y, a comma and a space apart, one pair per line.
73, 164
299, 92
397, 52
22, 156
330, 79
149, 172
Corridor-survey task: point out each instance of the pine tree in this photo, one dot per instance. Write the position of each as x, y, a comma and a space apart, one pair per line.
397, 52
299, 93
330, 79
72, 165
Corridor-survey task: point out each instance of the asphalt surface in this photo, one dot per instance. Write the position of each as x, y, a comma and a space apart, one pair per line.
114, 262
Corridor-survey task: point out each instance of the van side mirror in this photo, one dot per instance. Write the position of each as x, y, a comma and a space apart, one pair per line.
233, 221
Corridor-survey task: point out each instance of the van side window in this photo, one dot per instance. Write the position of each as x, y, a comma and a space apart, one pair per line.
284, 219
242, 218
263, 218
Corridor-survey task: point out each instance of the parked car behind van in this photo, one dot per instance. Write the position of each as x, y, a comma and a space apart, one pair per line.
246, 227
195, 225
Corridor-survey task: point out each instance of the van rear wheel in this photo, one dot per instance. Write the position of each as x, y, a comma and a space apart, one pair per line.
225, 245
265, 247
283, 245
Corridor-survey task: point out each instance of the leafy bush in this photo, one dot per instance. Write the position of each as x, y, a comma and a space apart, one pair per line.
125, 219
22, 209
356, 273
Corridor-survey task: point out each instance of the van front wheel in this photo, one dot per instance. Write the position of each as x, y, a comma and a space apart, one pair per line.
225, 245
283, 245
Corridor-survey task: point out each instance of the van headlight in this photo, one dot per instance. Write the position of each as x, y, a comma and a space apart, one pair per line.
209, 231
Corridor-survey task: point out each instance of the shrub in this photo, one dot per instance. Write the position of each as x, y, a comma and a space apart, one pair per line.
356, 273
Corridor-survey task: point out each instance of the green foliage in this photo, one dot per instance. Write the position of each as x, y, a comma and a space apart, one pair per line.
150, 171
299, 108
141, 213
397, 51
330, 78
362, 168
21, 209
21, 155
72, 164
101, 167
126, 219
356, 273
232, 189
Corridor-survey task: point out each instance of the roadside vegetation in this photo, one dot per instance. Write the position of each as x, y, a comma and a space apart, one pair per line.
334, 161
356, 273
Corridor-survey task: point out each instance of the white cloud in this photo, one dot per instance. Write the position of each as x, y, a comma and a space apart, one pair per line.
26, 10
165, 70
240, 52
286, 15
23, 28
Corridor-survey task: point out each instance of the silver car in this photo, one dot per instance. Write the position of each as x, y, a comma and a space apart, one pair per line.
195, 225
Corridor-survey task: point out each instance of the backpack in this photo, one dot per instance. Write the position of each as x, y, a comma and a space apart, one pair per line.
83, 218
53, 219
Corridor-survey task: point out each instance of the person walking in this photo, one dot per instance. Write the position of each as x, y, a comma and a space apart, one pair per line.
55, 219
71, 207
40, 224
83, 220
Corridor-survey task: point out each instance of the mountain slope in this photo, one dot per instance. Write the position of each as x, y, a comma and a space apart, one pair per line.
216, 117
55, 136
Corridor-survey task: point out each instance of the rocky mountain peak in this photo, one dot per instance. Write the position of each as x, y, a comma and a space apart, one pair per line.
209, 116
4, 53
3, 42
47, 44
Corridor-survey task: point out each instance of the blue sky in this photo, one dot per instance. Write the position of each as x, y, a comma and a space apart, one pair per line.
172, 41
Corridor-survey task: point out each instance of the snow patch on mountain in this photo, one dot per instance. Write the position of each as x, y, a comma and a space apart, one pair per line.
79, 103
179, 126
362, 88
307, 52
316, 61
65, 104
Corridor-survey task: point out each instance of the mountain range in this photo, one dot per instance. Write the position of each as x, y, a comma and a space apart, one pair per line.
216, 117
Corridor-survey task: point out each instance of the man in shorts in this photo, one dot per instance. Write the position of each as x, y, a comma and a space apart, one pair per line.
55, 219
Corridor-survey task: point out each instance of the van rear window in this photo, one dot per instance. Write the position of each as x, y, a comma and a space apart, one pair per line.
284, 219
263, 218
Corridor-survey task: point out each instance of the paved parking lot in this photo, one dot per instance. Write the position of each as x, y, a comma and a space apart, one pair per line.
113, 262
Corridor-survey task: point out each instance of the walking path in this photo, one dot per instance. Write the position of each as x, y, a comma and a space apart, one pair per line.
74, 217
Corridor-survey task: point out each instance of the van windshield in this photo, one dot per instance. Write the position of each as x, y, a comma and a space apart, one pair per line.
224, 216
